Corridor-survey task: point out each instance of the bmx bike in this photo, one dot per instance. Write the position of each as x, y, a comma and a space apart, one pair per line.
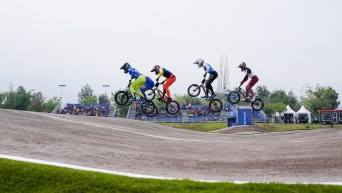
235, 96
172, 107
215, 105
147, 106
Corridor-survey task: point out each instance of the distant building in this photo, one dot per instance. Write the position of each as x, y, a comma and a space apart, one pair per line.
330, 116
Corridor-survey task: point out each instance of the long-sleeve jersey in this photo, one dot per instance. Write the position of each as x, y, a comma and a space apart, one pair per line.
149, 82
249, 74
134, 73
208, 69
164, 72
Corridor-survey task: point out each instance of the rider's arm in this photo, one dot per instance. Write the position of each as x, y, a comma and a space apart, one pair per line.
129, 83
206, 70
246, 77
131, 72
161, 72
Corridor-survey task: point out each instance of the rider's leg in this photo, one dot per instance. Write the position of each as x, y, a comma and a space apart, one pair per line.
139, 82
167, 84
251, 83
131, 88
248, 90
147, 85
143, 89
212, 77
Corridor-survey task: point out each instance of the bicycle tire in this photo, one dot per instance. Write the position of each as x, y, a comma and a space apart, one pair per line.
153, 113
121, 98
138, 112
150, 94
172, 107
148, 107
194, 90
257, 105
234, 97
215, 105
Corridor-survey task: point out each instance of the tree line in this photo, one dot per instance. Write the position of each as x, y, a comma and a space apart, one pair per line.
27, 100
320, 97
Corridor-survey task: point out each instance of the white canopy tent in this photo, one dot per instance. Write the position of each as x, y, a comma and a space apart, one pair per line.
289, 110
303, 111
288, 115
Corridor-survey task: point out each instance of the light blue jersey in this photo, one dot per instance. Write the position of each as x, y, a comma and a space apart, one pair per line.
207, 68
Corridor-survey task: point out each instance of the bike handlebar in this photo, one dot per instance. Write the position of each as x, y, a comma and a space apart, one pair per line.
158, 83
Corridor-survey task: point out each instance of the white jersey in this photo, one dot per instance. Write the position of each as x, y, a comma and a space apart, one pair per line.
249, 74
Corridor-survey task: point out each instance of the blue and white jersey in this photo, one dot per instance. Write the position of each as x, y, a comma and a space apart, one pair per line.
134, 73
207, 68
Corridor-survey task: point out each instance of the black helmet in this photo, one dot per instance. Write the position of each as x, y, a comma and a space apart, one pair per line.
242, 65
155, 69
125, 67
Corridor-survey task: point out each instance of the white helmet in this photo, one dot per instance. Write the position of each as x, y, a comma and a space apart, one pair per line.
199, 62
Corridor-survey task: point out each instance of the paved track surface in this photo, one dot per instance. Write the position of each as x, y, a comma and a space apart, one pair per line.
150, 149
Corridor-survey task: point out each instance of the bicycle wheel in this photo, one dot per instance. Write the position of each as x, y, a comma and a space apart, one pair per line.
215, 105
234, 97
121, 98
138, 112
153, 113
194, 90
258, 105
150, 94
172, 107
147, 107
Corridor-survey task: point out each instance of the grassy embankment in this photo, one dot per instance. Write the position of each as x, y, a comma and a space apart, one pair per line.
272, 127
18, 177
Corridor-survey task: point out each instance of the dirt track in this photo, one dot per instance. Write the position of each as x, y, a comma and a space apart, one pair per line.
150, 149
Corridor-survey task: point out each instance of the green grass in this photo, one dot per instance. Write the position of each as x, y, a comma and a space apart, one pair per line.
20, 177
272, 127
204, 127
276, 127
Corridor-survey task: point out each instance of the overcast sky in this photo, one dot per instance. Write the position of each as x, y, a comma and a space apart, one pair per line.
288, 43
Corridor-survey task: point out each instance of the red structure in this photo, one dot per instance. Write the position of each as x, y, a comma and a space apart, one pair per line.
330, 116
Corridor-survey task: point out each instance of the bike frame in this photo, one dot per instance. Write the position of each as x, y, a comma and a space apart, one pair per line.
160, 93
243, 94
204, 87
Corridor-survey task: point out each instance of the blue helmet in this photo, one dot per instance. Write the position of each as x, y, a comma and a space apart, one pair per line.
125, 67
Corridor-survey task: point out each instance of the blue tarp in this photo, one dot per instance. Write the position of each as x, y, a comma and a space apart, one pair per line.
239, 117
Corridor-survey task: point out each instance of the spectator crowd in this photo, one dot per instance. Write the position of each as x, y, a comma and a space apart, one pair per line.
86, 109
